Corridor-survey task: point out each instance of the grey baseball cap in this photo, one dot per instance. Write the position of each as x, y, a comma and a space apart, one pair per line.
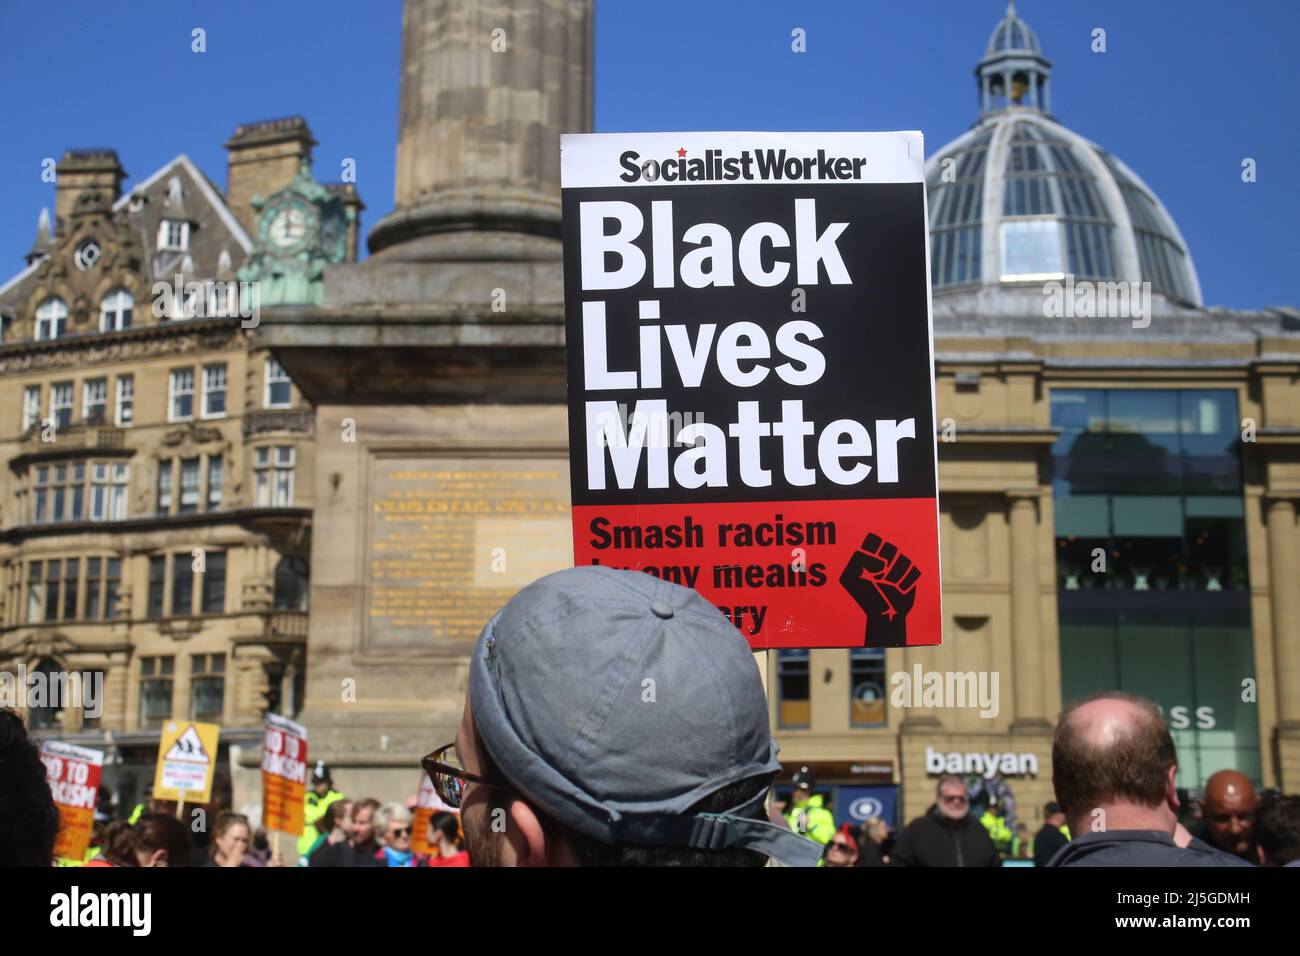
615, 701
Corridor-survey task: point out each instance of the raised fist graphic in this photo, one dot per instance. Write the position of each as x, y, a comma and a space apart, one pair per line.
883, 582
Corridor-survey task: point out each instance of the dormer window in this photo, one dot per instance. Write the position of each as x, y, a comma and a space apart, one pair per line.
51, 319
173, 235
115, 311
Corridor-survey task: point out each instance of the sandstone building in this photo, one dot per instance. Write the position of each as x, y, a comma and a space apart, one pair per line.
155, 511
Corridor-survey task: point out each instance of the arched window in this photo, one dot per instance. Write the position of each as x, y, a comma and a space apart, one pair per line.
115, 311
51, 319
292, 576
46, 692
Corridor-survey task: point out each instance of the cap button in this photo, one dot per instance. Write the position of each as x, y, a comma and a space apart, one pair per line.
662, 609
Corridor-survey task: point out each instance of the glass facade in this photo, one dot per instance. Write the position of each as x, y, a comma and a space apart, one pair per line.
1153, 590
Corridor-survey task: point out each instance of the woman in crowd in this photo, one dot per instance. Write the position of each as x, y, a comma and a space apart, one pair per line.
231, 836
393, 828
155, 839
444, 835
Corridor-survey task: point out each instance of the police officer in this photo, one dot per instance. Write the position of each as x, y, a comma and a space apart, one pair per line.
319, 797
808, 814
997, 828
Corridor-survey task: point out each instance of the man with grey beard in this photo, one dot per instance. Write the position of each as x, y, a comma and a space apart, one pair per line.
946, 835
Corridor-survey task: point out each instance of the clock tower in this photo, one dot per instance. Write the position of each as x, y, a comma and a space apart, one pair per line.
301, 229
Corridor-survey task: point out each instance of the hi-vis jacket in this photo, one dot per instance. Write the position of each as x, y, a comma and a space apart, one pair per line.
999, 832
313, 808
812, 819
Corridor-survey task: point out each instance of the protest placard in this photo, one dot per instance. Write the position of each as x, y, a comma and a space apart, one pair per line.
187, 755
73, 774
751, 384
284, 774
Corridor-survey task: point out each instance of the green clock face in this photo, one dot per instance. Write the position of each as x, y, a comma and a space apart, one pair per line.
289, 225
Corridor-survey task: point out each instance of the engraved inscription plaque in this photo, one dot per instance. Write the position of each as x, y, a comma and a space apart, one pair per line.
453, 539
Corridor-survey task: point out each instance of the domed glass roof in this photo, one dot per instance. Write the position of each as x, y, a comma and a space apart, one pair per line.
1022, 199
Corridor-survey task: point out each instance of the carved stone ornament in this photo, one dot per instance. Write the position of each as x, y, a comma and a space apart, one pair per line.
180, 629
118, 350
191, 433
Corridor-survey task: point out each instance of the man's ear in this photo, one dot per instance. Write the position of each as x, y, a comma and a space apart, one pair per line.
1171, 792
536, 844
158, 858
532, 844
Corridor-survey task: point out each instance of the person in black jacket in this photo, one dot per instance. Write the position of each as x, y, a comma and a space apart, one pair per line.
947, 835
874, 842
1051, 837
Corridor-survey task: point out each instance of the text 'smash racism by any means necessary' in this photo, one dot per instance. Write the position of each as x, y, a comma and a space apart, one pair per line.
751, 388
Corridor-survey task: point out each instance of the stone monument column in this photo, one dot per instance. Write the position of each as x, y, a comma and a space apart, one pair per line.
436, 371
488, 86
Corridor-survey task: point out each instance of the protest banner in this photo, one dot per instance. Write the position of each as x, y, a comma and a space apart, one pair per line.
751, 376
73, 775
284, 775
187, 755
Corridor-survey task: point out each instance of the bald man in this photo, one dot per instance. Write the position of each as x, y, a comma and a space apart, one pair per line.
1113, 767
1230, 805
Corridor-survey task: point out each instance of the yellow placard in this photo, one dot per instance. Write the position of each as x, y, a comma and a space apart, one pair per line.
187, 758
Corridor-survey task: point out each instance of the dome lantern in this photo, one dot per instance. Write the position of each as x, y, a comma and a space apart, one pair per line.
1014, 74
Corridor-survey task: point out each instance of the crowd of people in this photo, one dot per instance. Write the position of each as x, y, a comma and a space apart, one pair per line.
1230, 823
339, 832
1114, 764
561, 759
368, 833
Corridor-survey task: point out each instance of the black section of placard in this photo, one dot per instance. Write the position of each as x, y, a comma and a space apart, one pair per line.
875, 334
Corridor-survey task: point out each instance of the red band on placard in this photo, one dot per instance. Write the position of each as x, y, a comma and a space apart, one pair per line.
787, 574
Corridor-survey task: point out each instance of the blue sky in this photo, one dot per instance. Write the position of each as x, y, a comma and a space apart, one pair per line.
1185, 91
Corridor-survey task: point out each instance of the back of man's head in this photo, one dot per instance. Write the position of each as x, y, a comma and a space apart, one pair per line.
1277, 830
630, 716
1113, 752
29, 820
